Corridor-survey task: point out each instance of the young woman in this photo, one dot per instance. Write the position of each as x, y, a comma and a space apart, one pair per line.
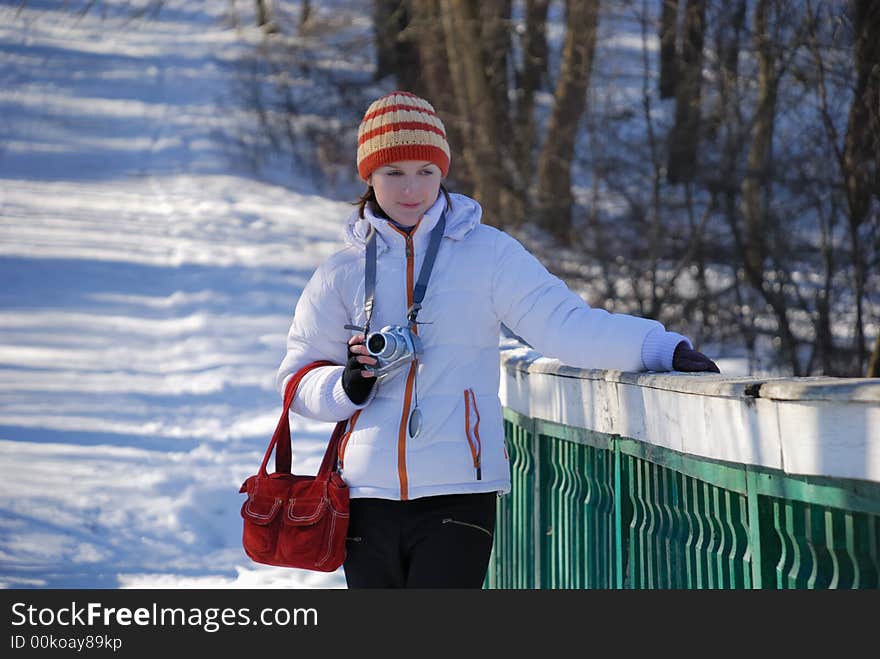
424, 453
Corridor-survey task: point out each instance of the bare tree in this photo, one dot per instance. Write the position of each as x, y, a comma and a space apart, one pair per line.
553, 195
730, 18
869, 18
761, 244
861, 161
755, 208
685, 136
305, 14
874, 364
528, 81
473, 77
668, 51
264, 17
396, 54
435, 81
856, 162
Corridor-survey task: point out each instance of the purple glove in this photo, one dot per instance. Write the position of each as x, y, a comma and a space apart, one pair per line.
688, 360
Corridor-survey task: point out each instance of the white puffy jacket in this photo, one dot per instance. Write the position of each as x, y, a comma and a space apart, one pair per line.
481, 278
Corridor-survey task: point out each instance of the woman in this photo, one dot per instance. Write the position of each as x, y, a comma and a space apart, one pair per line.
424, 453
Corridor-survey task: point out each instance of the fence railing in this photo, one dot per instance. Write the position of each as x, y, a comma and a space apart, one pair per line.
625, 480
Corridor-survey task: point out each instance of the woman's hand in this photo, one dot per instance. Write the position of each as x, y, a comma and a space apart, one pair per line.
689, 360
357, 380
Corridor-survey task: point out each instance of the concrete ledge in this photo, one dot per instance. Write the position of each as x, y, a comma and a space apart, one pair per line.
811, 426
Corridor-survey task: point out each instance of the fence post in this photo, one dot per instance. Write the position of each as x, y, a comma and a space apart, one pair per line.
537, 519
754, 529
618, 512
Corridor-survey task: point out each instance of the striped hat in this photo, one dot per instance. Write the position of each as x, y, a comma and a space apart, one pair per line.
401, 126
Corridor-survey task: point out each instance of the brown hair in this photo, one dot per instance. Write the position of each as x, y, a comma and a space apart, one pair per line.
370, 196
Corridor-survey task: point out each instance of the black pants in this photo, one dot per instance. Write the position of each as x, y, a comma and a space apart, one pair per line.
430, 542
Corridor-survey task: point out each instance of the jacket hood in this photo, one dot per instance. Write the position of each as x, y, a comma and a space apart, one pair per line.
461, 219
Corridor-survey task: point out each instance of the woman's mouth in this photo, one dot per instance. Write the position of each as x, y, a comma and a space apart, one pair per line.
416, 205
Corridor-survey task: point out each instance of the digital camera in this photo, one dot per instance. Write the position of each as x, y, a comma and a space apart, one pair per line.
392, 346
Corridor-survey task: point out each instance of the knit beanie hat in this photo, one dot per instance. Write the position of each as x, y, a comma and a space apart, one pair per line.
401, 126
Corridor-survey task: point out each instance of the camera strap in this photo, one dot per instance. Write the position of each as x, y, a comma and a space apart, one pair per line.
414, 423
421, 284
369, 278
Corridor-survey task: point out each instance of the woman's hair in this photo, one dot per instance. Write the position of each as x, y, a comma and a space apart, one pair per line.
370, 196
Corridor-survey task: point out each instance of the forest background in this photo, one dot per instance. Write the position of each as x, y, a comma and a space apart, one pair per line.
712, 164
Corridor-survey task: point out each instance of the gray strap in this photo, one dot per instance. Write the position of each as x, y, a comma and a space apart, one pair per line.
427, 266
369, 278
424, 274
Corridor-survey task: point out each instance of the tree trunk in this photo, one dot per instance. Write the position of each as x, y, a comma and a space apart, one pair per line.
754, 210
685, 136
860, 154
824, 334
736, 15
874, 365
754, 202
731, 22
668, 55
495, 27
396, 54
305, 14
435, 82
495, 37
264, 16
554, 198
533, 71
262, 13
477, 107
427, 33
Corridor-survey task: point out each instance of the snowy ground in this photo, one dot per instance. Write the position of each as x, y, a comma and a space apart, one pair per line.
148, 283
147, 288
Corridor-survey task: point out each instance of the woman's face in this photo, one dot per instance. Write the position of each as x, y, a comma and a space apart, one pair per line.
406, 189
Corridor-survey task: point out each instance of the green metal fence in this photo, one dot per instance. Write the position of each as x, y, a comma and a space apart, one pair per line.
590, 510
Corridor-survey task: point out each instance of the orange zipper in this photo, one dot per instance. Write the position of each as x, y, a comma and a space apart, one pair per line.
473, 440
401, 435
407, 396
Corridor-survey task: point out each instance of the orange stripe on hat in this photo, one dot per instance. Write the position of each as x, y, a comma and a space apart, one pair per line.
395, 127
396, 108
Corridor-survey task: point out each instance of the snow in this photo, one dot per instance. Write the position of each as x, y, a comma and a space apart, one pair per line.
148, 283
149, 277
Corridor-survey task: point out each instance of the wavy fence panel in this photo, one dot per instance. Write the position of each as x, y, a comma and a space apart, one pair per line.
596, 510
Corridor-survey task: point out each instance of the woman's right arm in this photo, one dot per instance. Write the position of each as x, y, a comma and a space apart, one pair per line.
317, 333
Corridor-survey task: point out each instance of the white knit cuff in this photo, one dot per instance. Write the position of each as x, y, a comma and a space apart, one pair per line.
659, 347
321, 396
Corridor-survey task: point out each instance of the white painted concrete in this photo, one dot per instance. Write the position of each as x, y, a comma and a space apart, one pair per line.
809, 426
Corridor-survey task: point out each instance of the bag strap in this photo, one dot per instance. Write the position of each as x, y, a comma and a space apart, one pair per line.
331, 455
281, 438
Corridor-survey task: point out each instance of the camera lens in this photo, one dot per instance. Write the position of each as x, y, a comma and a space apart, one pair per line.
376, 343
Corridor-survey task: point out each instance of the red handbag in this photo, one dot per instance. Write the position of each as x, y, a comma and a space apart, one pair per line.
296, 521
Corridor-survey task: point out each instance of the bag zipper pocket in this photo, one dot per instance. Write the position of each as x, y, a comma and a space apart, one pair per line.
473, 440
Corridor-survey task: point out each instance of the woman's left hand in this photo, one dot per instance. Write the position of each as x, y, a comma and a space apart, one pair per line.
688, 360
